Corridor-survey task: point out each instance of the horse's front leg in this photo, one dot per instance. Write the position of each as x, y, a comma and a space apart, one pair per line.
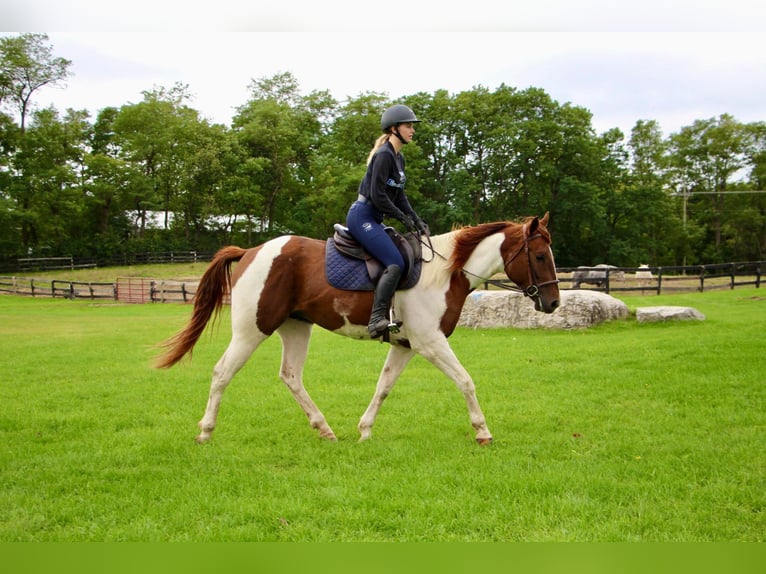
439, 352
397, 359
295, 337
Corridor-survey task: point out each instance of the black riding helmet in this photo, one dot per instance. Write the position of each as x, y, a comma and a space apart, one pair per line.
397, 114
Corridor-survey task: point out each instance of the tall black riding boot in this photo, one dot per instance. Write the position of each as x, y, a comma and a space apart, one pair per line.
384, 290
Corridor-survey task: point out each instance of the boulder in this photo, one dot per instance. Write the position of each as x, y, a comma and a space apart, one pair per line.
667, 313
487, 309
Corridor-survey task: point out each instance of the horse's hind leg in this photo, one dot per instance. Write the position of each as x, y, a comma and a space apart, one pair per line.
235, 356
397, 359
295, 337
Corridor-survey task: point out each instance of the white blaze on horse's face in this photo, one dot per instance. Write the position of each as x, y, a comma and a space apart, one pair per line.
542, 274
532, 268
547, 304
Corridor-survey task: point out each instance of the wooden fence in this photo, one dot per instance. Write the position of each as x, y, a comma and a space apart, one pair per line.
50, 263
669, 279
651, 280
124, 289
56, 288
24, 265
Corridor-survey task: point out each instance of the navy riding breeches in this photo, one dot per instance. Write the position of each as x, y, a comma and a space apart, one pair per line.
363, 221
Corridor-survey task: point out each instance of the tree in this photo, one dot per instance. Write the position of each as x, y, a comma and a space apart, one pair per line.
432, 161
46, 185
706, 159
154, 138
108, 178
27, 64
654, 232
279, 130
355, 128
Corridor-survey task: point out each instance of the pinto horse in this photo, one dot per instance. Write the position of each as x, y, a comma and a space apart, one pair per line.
281, 286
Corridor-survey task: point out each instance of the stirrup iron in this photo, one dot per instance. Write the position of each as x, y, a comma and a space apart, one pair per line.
393, 323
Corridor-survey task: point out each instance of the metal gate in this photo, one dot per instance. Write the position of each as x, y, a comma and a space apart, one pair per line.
134, 289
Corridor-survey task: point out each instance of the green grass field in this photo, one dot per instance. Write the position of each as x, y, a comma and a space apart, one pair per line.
622, 432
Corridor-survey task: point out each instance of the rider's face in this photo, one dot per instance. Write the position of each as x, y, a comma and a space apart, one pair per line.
406, 131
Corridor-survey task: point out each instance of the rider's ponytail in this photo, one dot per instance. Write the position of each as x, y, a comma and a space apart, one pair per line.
378, 143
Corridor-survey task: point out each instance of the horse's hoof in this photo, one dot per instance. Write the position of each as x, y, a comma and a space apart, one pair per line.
486, 441
199, 439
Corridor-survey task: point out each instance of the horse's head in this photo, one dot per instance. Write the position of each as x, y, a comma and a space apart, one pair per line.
528, 262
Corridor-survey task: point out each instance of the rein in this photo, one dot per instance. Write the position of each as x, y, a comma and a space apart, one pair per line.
532, 291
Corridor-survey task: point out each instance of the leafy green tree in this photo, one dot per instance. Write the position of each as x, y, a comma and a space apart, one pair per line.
280, 130
706, 159
107, 181
432, 161
654, 231
355, 128
747, 232
45, 187
9, 240
206, 162
27, 64
269, 133
292, 163
471, 176
155, 136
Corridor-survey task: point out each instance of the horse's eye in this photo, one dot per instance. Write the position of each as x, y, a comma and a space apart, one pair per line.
540, 258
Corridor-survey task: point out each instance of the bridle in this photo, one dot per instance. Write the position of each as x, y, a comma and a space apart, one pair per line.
533, 289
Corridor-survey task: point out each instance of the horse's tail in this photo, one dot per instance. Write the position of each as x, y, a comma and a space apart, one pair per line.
215, 283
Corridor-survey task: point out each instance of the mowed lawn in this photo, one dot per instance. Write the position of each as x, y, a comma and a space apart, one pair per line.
622, 432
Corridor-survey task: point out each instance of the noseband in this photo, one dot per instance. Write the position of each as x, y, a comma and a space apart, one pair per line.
533, 289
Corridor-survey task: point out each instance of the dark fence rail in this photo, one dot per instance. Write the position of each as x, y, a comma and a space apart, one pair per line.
124, 289
665, 279
646, 280
27, 264
56, 288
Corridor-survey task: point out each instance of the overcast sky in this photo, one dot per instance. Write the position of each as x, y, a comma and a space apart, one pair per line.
674, 61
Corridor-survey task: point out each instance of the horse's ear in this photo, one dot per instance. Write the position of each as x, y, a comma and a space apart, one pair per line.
544, 220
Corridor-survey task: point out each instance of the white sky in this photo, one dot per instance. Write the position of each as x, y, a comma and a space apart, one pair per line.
674, 61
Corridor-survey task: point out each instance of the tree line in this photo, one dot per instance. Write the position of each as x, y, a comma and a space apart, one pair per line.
158, 176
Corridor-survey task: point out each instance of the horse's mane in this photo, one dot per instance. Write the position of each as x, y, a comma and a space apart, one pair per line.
458, 245
467, 238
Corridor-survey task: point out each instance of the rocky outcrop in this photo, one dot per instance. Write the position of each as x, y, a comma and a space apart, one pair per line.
667, 313
487, 309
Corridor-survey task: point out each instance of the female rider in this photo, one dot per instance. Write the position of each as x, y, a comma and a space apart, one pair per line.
381, 194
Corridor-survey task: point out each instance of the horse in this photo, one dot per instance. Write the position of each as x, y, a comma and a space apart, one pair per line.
596, 275
281, 286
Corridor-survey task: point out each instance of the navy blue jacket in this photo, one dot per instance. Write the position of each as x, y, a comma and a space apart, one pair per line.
383, 184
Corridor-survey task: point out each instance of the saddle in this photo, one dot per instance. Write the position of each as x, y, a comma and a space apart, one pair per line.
350, 267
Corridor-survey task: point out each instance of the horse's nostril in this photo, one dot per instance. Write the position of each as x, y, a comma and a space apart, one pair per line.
555, 304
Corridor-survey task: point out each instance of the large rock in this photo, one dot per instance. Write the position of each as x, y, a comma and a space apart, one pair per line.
667, 313
486, 309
